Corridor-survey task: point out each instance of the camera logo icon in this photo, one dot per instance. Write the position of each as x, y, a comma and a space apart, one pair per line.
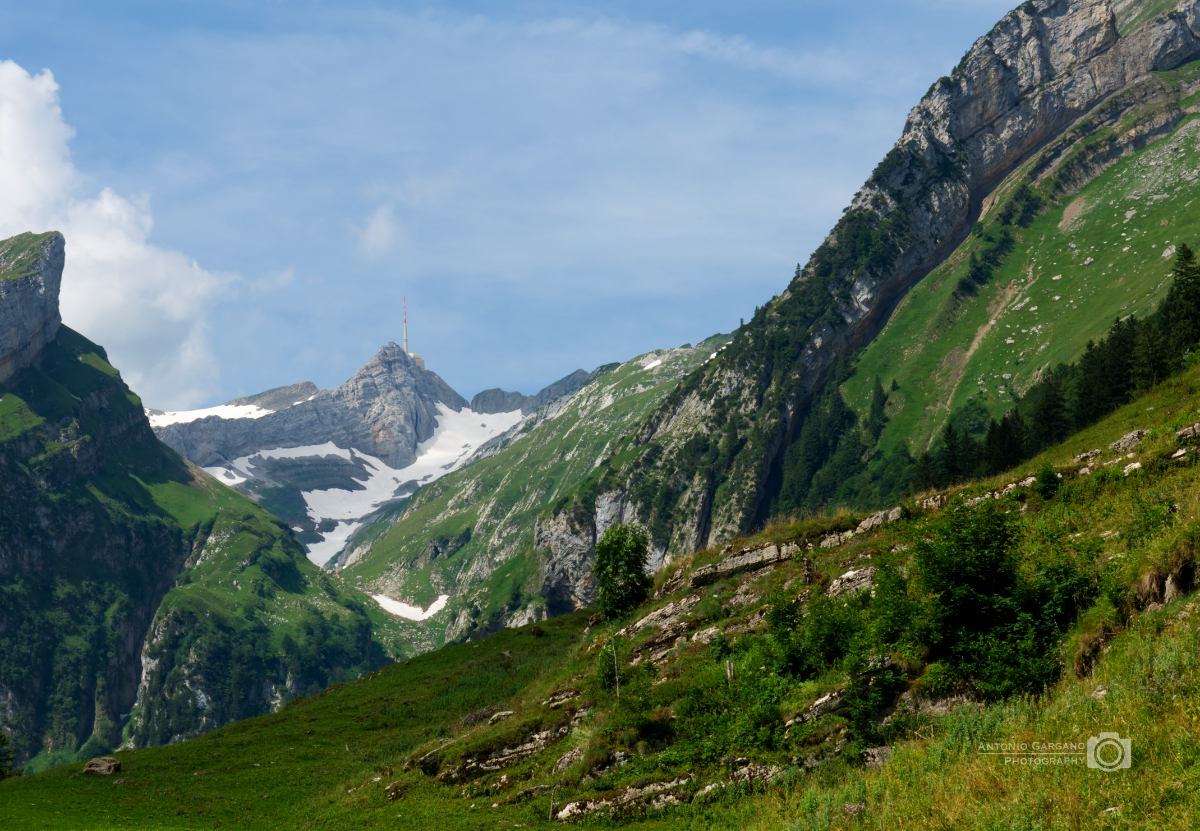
1109, 752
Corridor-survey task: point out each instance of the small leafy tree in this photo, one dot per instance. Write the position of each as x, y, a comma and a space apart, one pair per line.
7, 757
621, 579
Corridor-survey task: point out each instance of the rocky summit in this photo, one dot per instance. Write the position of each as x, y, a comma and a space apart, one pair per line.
386, 409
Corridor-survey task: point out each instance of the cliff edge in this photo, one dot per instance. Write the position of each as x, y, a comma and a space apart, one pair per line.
31, 267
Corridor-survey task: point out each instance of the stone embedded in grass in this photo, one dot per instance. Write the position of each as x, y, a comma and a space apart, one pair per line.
874, 758
1129, 441
103, 766
569, 758
853, 582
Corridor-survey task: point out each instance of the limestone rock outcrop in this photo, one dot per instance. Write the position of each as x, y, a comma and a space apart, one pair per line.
31, 267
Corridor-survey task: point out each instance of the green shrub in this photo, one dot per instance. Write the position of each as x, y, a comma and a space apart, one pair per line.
622, 555
7, 755
1047, 481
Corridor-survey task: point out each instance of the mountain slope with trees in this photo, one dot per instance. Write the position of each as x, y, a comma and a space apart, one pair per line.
1053, 94
857, 683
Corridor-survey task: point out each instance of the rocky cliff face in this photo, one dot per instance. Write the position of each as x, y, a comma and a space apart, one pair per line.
30, 274
711, 456
386, 409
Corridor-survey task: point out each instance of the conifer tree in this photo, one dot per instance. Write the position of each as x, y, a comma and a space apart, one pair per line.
925, 475
1149, 362
7, 757
1090, 393
1117, 354
876, 418
1051, 423
1181, 306
951, 458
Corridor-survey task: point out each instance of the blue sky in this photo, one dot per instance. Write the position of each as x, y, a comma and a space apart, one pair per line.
249, 189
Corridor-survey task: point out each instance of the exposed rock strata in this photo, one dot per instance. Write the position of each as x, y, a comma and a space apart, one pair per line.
742, 561
30, 276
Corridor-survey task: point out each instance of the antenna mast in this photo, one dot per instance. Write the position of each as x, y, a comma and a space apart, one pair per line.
405, 325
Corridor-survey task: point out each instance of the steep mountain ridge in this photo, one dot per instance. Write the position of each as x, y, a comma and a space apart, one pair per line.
1103, 249
133, 587
708, 463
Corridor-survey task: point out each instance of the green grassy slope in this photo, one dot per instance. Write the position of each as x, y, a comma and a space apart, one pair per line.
1102, 253
18, 254
1132, 14
706, 711
99, 525
498, 499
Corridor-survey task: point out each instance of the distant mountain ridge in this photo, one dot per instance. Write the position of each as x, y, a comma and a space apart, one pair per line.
328, 461
499, 401
385, 409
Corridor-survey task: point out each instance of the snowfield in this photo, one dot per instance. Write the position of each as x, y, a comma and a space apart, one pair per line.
403, 610
456, 437
224, 411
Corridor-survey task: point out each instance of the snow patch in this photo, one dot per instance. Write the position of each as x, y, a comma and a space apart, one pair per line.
224, 411
325, 550
652, 365
455, 438
404, 610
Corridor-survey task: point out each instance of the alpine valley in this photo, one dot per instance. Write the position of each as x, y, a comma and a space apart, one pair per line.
939, 492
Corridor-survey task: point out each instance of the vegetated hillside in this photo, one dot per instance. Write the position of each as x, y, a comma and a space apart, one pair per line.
1072, 267
127, 575
862, 682
714, 459
470, 535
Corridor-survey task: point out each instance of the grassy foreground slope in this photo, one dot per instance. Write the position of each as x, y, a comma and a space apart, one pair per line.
1090, 257
719, 708
492, 578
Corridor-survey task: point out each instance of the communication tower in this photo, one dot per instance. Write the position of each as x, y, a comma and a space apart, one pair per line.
417, 359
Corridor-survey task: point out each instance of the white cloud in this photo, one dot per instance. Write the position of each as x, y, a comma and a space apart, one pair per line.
146, 305
381, 232
276, 282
